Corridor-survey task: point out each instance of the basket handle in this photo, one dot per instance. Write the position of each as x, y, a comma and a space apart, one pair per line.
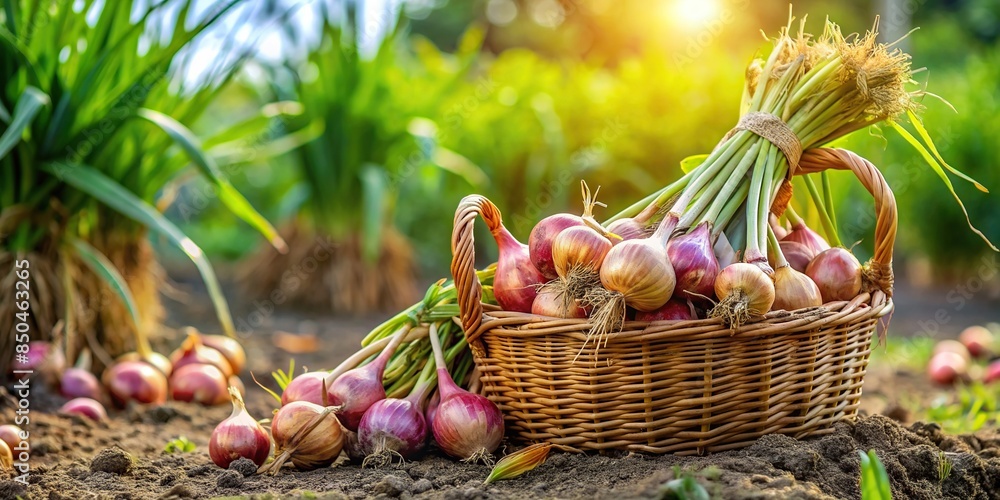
463, 259
878, 270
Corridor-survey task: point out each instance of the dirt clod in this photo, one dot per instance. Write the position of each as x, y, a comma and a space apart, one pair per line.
12, 489
244, 466
392, 485
200, 470
229, 479
421, 485
113, 461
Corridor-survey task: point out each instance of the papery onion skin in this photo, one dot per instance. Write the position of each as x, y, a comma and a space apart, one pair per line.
239, 435
579, 248
192, 351
80, 383
556, 304
837, 273
199, 383
85, 407
319, 448
306, 387
796, 254
673, 310
135, 381
355, 392
627, 229
541, 238
237, 383
694, 263
794, 290
11, 434
465, 425
395, 425
230, 349
751, 281
640, 270
516, 280
6, 457
801, 233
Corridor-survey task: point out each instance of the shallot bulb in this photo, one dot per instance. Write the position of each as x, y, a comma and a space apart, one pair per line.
356, 390
199, 383
135, 381
801, 233
556, 303
992, 372
978, 339
80, 383
43, 358
640, 271
392, 427
694, 263
673, 310
307, 434
779, 230
516, 281
541, 238
794, 290
579, 248
192, 351
12, 435
946, 368
230, 348
85, 407
744, 291
237, 436
837, 273
305, 387
796, 254
466, 426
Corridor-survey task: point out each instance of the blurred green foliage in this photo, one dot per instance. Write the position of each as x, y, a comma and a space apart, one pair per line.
617, 93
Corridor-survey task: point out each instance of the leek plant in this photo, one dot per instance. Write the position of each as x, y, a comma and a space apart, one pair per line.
378, 137
92, 113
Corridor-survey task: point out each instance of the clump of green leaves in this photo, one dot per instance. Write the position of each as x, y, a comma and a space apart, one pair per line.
874, 479
179, 445
944, 467
683, 487
973, 407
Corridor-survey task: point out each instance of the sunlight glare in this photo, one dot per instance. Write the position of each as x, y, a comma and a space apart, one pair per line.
694, 13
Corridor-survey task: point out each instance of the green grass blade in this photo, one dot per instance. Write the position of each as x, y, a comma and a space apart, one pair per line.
94, 183
4, 114
922, 132
926, 155
27, 107
228, 195
103, 267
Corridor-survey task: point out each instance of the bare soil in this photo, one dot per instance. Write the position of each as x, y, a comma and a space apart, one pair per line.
123, 458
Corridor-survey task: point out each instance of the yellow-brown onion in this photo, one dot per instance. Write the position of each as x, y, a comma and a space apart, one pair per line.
837, 273
794, 290
230, 348
579, 248
640, 270
307, 434
744, 290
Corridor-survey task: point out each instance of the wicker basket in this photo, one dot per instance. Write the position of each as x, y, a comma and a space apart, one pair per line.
683, 387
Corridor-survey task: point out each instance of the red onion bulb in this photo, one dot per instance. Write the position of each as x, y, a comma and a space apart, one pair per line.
135, 381
802, 234
12, 435
85, 407
237, 436
557, 304
230, 348
673, 310
978, 339
80, 383
305, 387
516, 280
541, 238
837, 273
193, 352
627, 229
466, 426
356, 390
695, 265
392, 427
199, 383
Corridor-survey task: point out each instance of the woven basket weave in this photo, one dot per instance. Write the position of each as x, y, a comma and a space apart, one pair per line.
683, 387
